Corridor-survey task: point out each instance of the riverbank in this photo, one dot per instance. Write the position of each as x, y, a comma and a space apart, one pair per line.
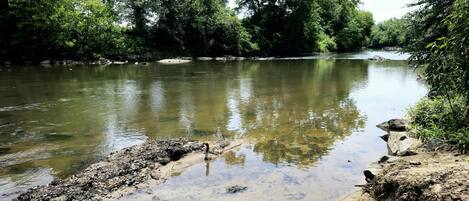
374, 55
415, 171
128, 170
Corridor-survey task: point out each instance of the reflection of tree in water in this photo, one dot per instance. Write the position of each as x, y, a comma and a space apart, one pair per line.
232, 159
304, 111
303, 141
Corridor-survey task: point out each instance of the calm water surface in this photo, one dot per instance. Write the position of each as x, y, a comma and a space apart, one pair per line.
303, 121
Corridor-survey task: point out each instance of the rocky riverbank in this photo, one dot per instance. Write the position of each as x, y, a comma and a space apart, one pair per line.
122, 172
414, 170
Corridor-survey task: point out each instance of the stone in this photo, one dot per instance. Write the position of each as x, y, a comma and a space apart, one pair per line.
45, 62
415, 163
377, 58
236, 189
400, 144
204, 58
371, 172
383, 159
369, 176
394, 125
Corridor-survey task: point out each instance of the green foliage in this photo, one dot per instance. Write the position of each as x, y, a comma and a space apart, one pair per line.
305, 26
151, 29
437, 118
355, 34
390, 33
438, 46
326, 43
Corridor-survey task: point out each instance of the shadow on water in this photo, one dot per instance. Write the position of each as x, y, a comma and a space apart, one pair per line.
291, 114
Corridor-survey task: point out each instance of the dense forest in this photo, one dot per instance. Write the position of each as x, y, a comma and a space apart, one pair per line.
36, 30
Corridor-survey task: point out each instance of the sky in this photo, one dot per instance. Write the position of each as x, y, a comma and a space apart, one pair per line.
386, 9
382, 9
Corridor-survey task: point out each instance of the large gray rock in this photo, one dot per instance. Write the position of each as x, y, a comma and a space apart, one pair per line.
394, 125
401, 144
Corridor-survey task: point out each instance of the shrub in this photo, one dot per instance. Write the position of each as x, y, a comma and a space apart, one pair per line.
438, 118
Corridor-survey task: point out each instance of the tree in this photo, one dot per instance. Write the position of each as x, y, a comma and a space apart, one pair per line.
390, 33
294, 27
355, 34
438, 45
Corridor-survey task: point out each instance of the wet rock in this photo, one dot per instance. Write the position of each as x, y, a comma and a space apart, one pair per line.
236, 189
385, 137
369, 175
383, 159
398, 125
377, 58
371, 172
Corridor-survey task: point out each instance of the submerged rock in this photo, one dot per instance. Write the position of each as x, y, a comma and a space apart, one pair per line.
377, 58
236, 189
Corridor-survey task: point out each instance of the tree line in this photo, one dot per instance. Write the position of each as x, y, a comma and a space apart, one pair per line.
35, 30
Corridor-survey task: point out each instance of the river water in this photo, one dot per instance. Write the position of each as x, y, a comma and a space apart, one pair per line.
308, 124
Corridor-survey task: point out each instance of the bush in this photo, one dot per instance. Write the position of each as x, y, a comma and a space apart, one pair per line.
437, 118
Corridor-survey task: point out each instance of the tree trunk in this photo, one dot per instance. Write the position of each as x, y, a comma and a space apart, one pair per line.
139, 19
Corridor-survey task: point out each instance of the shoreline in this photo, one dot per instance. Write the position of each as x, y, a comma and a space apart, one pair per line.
414, 170
185, 59
128, 170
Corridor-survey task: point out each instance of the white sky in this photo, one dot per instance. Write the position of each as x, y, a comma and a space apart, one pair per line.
386, 9
381, 9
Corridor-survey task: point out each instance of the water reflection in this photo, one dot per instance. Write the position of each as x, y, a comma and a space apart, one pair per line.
59, 119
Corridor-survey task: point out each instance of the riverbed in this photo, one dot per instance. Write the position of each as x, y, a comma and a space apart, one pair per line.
308, 125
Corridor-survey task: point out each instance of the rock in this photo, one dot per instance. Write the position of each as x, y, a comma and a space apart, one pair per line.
174, 61
221, 59
436, 144
236, 189
400, 144
377, 58
45, 62
415, 163
383, 159
394, 125
385, 137
128, 167
104, 61
371, 172
369, 176
204, 58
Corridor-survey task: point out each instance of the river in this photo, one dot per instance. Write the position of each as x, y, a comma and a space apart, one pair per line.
308, 124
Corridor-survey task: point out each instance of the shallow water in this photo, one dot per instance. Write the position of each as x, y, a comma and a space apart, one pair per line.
309, 124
